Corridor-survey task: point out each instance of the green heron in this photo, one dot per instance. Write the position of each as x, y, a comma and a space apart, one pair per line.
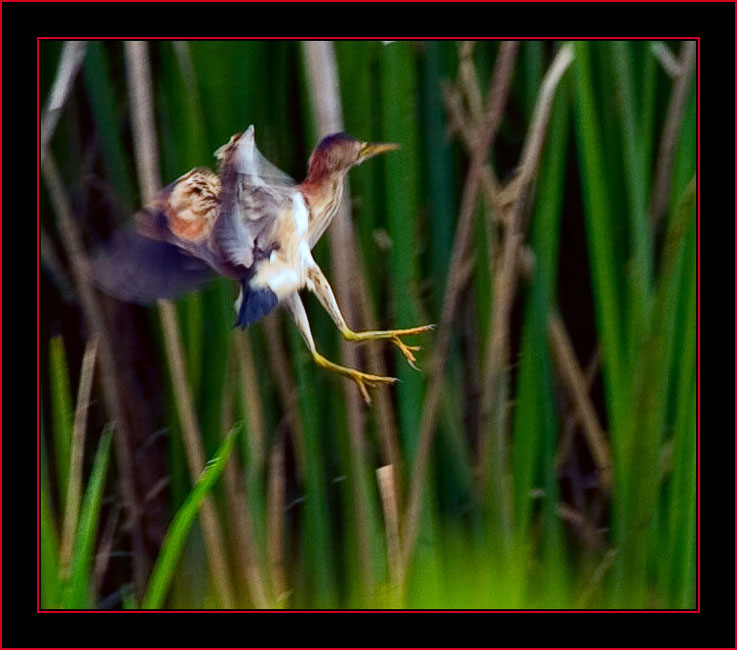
253, 223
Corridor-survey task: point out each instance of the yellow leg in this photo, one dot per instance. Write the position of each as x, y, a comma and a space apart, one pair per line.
363, 380
393, 336
318, 284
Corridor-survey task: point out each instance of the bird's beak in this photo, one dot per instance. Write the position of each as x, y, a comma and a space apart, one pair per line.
369, 149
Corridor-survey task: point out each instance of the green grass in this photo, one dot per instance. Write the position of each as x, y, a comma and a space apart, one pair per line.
591, 194
69, 587
76, 594
171, 549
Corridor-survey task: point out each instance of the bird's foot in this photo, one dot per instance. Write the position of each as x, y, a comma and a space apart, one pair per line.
363, 380
394, 337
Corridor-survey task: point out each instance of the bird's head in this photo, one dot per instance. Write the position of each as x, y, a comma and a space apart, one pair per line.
337, 153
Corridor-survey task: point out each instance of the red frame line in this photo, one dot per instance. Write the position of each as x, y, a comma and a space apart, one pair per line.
698, 342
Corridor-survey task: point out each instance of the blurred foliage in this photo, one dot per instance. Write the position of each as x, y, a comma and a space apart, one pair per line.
548, 533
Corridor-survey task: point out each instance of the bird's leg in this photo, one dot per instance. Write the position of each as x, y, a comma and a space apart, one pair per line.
318, 284
363, 380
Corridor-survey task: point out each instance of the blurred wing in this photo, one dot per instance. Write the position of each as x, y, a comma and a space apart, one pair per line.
135, 268
253, 193
169, 253
242, 153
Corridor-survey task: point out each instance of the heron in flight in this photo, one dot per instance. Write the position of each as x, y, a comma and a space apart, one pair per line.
253, 223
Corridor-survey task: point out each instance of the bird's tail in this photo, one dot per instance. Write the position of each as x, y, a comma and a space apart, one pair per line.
254, 304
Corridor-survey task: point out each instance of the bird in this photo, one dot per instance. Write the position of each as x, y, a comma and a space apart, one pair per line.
253, 223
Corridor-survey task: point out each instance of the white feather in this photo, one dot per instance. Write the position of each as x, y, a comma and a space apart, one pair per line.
305, 255
299, 214
283, 278
238, 301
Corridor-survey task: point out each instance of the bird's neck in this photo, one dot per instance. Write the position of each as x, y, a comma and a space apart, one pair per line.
324, 195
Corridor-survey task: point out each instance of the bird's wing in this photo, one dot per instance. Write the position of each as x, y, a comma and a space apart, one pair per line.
241, 152
169, 253
184, 213
136, 268
254, 193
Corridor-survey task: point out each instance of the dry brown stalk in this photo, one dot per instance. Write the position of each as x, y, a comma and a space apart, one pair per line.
586, 529
280, 369
466, 129
50, 260
74, 491
469, 81
142, 114
596, 580
668, 141
325, 95
276, 503
252, 405
386, 416
70, 61
468, 87
666, 58
239, 512
564, 447
458, 275
385, 476
461, 126
102, 558
505, 280
535, 138
156, 489
575, 381
214, 545
144, 137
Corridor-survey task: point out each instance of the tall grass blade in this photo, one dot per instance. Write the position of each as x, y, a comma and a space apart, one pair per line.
640, 271
650, 390
74, 487
176, 536
315, 536
534, 428
596, 195
101, 94
62, 415
679, 578
648, 108
77, 593
439, 186
401, 179
50, 583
